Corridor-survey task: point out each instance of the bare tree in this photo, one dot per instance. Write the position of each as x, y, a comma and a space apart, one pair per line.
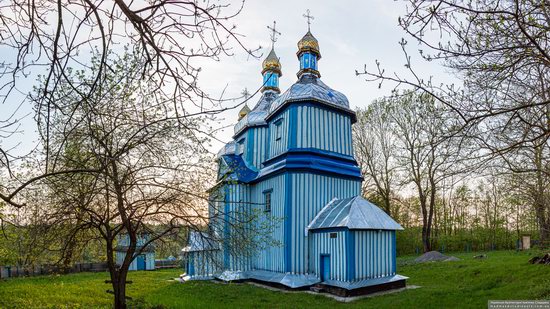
500, 52
375, 149
47, 37
427, 154
495, 47
142, 166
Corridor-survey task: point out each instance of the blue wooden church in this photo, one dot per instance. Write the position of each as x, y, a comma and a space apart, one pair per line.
292, 158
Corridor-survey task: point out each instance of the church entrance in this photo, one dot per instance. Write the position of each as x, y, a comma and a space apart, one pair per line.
141, 262
325, 267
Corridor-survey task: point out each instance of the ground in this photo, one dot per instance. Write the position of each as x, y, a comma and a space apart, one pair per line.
468, 283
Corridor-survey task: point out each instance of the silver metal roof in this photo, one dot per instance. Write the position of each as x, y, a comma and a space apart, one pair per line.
257, 116
200, 241
365, 282
228, 149
310, 87
288, 279
353, 213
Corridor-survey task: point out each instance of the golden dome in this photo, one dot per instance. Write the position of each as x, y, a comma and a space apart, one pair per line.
244, 111
271, 63
309, 44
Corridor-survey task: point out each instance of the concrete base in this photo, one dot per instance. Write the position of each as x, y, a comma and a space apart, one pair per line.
292, 282
342, 292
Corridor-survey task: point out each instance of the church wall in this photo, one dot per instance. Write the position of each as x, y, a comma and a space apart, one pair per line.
323, 129
201, 264
322, 243
278, 144
255, 140
256, 155
236, 211
310, 193
374, 254
272, 256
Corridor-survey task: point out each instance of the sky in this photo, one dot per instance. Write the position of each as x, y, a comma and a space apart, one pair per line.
351, 34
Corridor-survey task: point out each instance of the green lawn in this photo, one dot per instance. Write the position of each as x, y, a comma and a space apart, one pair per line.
462, 284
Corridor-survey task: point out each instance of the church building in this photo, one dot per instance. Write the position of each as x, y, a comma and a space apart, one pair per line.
291, 162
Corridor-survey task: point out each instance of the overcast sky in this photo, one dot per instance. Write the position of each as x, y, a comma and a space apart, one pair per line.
350, 34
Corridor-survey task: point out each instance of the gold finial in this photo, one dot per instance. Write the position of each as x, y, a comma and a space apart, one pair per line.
309, 18
244, 111
273, 35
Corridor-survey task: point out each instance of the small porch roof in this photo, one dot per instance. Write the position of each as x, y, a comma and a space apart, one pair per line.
353, 213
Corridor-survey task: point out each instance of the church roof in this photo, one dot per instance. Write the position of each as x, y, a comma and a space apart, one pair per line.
257, 116
353, 213
310, 87
227, 149
237, 169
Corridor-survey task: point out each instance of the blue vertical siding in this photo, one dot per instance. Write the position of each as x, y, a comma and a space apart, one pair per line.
277, 147
202, 263
323, 129
321, 243
237, 212
260, 139
375, 254
312, 193
271, 255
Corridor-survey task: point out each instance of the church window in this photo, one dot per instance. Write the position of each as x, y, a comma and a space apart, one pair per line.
308, 61
240, 146
333, 235
278, 129
267, 200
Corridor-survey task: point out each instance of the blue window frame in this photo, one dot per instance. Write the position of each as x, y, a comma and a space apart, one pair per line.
308, 61
267, 200
271, 79
240, 146
278, 129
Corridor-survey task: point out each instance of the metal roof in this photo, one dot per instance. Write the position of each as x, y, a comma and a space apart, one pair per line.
228, 149
353, 213
237, 169
200, 241
310, 87
257, 116
365, 282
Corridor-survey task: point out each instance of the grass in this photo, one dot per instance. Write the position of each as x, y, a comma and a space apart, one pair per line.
468, 283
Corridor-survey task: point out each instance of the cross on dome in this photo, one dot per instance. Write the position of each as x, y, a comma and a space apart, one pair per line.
245, 94
274, 33
309, 17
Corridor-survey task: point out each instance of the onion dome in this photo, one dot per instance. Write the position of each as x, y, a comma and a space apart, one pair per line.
271, 71
271, 63
244, 111
308, 44
308, 54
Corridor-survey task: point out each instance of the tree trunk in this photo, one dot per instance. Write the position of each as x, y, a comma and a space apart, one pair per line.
426, 241
426, 231
119, 289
